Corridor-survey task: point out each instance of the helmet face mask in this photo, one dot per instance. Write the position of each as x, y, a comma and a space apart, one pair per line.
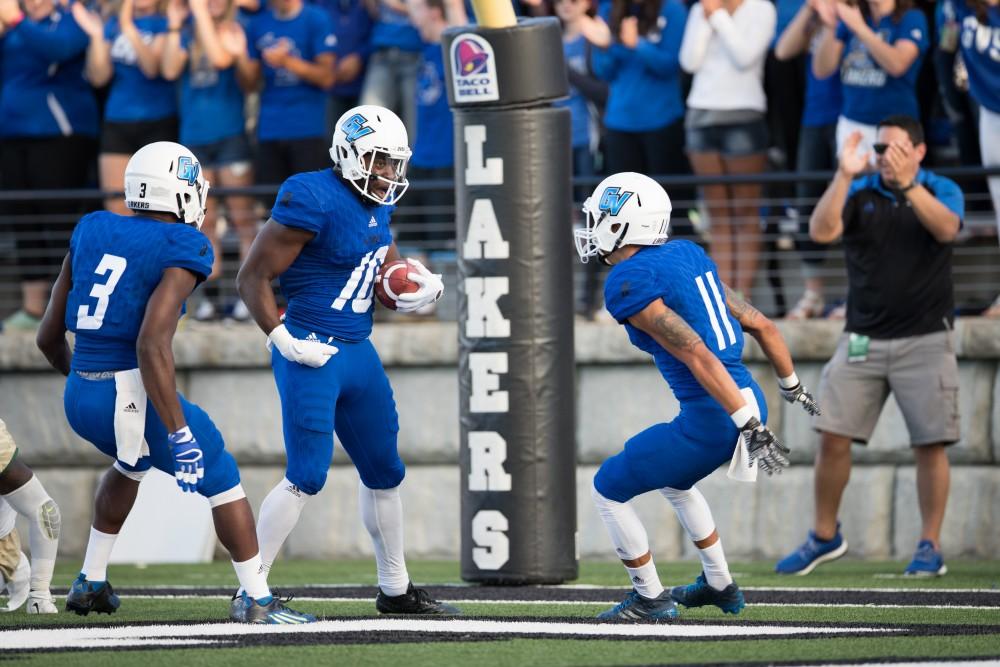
165, 177
370, 149
625, 209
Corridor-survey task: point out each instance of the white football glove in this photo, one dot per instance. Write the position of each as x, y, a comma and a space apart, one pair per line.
431, 288
310, 353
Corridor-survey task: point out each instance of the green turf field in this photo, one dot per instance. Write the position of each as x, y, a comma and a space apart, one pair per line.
881, 617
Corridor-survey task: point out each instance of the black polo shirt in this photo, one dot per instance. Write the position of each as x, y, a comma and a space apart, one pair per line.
899, 275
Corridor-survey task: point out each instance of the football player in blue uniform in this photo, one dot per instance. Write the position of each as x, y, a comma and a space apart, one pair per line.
326, 239
121, 291
675, 308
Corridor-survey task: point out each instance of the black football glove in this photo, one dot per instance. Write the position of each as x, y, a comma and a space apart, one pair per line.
799, 394
763, 447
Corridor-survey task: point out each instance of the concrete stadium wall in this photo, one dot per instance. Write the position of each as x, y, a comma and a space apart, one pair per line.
619, 392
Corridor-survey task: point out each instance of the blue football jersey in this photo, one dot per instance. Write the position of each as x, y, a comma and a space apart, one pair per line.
117, 262
680, 273
330, 284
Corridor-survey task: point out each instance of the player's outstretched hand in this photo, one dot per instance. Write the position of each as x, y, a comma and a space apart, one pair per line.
799, 394
764, 447
189, 460
431, 288
310, 353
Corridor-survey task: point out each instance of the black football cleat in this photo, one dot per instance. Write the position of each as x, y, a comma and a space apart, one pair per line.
86, 596
415, 601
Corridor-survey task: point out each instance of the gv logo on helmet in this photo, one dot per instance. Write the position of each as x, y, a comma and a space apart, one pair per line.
612, 200
187, 170
356, 127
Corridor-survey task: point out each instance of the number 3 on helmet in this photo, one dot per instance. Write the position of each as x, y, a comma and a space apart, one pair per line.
363, 135
165, 177
626, 209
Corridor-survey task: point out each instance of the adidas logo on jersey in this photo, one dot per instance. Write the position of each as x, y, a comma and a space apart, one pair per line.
372, 222
131, 408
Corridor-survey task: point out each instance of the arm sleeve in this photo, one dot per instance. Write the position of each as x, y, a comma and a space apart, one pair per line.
913, 26
948, 193
188, 248
628, 290
746, 42
296, 206
65, 42
697, 34
663, 57
325, 41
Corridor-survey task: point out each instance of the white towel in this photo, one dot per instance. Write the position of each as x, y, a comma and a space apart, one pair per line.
130, 416
742, 468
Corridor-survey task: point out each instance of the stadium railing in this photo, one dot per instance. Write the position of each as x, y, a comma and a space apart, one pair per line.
429, 231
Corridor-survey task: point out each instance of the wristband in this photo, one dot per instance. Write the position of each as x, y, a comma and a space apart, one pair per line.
742, 416
789, 382
181, 435
909, 187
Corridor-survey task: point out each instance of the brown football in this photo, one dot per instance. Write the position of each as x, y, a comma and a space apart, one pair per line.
392, 281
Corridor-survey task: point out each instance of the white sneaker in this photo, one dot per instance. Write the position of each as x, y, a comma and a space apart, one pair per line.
40, 602
240, 311
18, 586
205, 311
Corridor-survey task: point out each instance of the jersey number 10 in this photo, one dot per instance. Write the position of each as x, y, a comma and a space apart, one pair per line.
102, 292
363, 275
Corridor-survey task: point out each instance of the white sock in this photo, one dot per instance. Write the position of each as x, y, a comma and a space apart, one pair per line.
382, 514
33, 503
8, 518
95, 563
630, 540
278, 515
252, 578
713, 562
692, 512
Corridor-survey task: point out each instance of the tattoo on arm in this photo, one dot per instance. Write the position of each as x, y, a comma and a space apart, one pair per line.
676, 331
744, 313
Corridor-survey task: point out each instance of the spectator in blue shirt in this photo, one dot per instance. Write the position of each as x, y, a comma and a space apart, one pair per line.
588, 94
142, 105
202, 53
396, 48
47, 137
352, 25
817, 146
637, 54
980, 44
433, 148
878, 48
291, 48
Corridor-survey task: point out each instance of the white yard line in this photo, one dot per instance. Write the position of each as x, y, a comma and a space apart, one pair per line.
158, 635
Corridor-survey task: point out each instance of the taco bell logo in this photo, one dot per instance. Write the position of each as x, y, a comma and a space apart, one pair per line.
474, 76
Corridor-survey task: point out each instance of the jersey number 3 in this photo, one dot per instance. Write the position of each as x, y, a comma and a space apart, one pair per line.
114, 265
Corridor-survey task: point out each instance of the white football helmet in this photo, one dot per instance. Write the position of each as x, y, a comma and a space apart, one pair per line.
379, 134
165, 177
626, 209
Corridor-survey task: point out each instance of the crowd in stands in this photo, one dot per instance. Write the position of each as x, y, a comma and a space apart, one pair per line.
254, 87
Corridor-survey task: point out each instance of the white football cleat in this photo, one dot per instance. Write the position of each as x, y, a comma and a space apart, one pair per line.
18, 585
40, 602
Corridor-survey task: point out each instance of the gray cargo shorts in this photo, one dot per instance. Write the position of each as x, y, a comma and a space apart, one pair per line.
920, 371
